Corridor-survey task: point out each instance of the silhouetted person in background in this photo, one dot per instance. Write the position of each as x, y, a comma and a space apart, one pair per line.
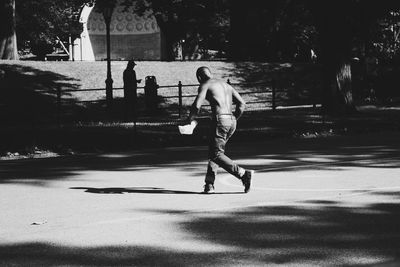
220, 95
130, 91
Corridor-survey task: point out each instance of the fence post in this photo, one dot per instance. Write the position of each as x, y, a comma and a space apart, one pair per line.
274, 95
58, 105
180, 98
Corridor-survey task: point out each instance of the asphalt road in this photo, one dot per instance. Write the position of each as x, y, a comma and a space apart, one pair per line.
313, 202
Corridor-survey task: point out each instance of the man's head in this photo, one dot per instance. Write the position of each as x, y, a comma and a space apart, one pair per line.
203, 74
131, 64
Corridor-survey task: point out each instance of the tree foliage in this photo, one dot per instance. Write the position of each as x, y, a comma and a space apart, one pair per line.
41, 22
386, 39
270, 30
195, 24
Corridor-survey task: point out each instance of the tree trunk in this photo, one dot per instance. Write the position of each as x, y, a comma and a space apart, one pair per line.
343, 83
169, 37
167, 44
8, 38
338, 93
333, 21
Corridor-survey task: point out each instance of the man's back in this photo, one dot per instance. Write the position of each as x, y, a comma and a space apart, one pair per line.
219, 95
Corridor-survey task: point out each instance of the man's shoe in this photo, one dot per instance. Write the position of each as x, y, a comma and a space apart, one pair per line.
209, 188
246, 180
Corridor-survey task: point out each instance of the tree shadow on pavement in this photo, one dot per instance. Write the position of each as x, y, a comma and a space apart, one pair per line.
370, 151
316, 233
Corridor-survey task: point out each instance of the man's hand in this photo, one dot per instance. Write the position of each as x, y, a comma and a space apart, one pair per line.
194, 111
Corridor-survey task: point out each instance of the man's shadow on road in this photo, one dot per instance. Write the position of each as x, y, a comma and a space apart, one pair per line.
144, 190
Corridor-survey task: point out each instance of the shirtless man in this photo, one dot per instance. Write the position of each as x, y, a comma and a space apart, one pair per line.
220, 95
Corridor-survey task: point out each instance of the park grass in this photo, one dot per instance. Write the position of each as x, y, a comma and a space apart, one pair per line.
92, 75
70, 76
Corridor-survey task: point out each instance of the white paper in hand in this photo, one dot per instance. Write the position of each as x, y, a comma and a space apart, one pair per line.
188, 128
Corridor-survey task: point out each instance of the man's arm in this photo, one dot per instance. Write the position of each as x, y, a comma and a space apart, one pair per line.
198, 102
135, 80
240, 104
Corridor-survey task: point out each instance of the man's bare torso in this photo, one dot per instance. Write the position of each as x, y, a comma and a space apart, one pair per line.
219, 95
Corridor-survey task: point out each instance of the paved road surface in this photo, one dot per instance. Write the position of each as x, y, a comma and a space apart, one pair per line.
314, 202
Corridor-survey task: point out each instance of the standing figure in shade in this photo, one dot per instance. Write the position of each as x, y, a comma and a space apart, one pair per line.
130, 91
220, 95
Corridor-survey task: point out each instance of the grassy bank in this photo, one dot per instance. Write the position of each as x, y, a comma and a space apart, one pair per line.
30, 87
82, 75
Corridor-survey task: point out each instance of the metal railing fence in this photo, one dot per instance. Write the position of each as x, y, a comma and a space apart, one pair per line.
89, 104
261, 95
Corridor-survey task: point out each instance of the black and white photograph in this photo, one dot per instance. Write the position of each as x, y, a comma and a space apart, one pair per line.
200, 133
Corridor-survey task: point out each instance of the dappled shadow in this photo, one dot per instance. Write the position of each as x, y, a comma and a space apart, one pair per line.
295, 83
320, 232
317, 233
333, 153
42, 171
42, 254
29, 95
289, 155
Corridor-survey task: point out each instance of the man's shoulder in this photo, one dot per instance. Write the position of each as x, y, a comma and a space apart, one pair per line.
216, 82
212, 84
